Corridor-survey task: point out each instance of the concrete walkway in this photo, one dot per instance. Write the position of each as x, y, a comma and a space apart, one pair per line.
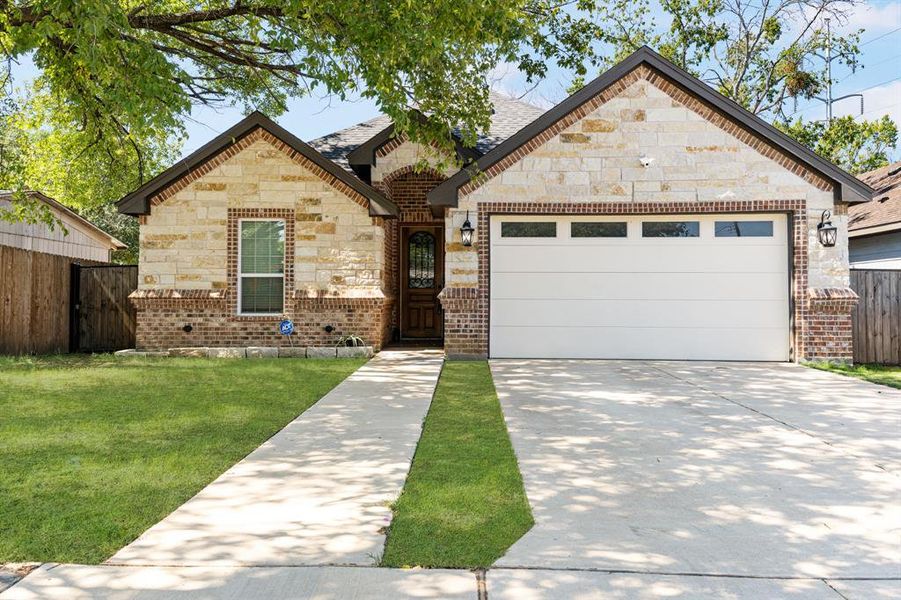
79, 582
317, 492
752, 470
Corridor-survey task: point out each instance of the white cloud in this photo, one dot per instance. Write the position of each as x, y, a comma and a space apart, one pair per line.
875, 17
878, 101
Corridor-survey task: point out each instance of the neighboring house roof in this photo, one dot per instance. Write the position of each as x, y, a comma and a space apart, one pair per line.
138, 201
64, 213
848, 188
356, 145
883, 213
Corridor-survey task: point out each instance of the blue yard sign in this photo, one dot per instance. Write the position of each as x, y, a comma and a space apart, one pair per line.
286, 327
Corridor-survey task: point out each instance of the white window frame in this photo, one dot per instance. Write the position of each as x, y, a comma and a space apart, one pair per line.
242, 275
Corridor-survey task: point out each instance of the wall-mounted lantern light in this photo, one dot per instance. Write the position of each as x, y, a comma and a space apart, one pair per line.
466, 231
826, 231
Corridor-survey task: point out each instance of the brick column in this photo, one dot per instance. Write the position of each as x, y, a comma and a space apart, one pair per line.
827, 330
465, 323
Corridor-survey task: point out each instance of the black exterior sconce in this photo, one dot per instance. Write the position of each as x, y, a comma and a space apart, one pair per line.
466, 231
188, 328
826, 231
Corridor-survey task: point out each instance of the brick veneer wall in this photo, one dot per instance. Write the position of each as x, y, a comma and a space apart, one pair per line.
161, 318
408, 188
822, 325
828, 325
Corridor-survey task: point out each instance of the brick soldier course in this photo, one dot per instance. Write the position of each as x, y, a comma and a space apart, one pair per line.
342, 217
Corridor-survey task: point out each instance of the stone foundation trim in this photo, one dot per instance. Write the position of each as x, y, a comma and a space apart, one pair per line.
259, 352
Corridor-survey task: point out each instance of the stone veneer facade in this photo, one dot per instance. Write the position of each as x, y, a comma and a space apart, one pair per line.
342, 264
588, 163
335, 253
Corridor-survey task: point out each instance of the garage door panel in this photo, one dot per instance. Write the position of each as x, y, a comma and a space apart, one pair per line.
626, 286
699, 298
636, 258
642, 313
640, 343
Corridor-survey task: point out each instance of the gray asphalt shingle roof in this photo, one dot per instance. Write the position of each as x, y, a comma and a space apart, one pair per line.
885, 207
510, 115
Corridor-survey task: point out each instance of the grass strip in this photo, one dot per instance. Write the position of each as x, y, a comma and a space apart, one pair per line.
463, 503
882, 374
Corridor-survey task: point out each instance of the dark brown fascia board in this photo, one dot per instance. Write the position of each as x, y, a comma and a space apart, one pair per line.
847, 187
138, 202
364, 154
118, 244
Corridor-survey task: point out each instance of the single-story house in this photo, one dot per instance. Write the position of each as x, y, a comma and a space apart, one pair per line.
73, 236
874, 228
644, 217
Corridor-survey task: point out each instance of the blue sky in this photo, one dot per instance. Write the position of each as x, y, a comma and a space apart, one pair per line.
879, 81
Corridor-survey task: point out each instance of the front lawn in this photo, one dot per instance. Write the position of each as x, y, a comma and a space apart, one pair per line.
95, 449
463, 503
890, 376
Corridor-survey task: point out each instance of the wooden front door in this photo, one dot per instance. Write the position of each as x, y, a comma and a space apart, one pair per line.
421, 280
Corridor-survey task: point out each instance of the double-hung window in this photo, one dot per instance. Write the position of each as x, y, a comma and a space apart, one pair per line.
261, 267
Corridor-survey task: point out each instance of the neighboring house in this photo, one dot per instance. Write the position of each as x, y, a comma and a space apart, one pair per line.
72, 236
36, 276
875, 227
646, 216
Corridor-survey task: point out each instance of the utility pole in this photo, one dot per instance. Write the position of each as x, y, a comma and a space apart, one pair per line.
829, 100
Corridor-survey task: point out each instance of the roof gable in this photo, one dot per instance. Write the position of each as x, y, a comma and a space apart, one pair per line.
138, 202
846, 187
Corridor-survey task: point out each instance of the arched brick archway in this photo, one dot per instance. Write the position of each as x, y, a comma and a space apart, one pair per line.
408, 187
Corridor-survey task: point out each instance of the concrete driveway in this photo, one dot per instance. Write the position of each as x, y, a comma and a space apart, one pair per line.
736, 469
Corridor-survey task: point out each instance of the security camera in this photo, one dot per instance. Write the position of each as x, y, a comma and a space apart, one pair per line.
646, 161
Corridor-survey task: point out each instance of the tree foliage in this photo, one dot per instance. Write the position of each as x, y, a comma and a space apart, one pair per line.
856, 146
126, 71
761, 53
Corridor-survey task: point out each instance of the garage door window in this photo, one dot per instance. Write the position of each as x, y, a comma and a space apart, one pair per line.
581, 229
526, 229
669, 229
744, 229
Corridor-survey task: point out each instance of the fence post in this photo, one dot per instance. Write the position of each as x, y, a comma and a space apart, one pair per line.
74, 305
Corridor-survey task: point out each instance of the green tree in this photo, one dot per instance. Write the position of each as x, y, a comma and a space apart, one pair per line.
856, 146
764, 54
117, 78
124, 72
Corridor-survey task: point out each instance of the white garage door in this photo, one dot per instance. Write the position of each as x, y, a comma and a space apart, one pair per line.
712, 287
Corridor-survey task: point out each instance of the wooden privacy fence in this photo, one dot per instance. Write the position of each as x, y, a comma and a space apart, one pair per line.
103, 320
876, 322
34, 302
39, 294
